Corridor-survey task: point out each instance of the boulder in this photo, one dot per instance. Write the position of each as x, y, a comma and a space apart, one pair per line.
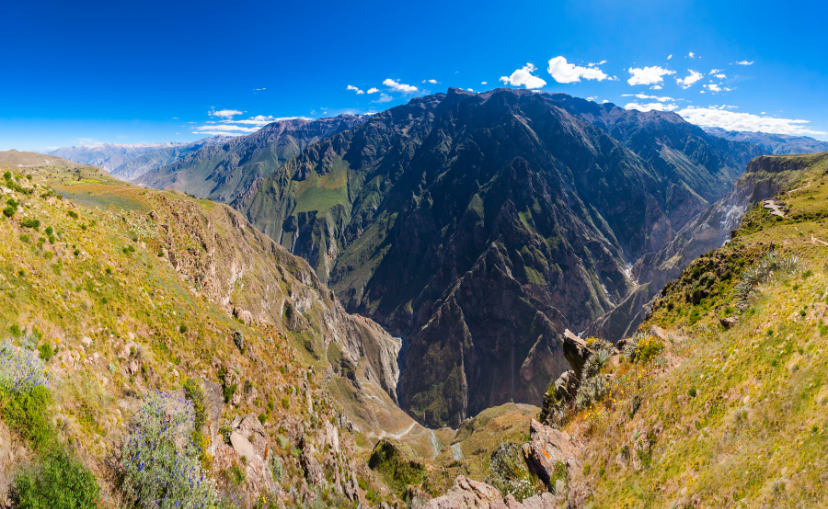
468, 494
559, 393
729, 321
575, 351
547, 449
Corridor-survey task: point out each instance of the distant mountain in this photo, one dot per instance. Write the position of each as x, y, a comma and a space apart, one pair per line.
773, 143
481, 226
224, 171
128, 162
16, 159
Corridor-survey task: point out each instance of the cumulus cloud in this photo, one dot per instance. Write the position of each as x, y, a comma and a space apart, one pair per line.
224, 113
373, 90
602, 62
733, 121
691, 55
645, 96
689, 79
604, 101
651, 107
241, 127
670, 56
470, 90
648, 75
433, 82
713, 87
358, 91
744, 62
524, 77
721, 76
592, 98
564, 72
399, 87
656, 87
483, 83
714, 71
383, 98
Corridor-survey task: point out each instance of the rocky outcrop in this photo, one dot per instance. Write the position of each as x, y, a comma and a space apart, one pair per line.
468, 494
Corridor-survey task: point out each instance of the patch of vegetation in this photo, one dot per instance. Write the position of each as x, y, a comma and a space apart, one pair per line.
398, 469
58, 481
509, 474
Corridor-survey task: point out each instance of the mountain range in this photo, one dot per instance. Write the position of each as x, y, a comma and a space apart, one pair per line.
480, 226
128, 162
773, 143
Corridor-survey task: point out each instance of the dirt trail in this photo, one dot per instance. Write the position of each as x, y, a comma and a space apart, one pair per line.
775, 210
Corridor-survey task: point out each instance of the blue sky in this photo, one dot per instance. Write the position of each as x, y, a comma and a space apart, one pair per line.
130, 72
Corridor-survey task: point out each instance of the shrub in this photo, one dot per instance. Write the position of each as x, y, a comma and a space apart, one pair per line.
195, 393
508, 473
30, 223
15, 330
49, 230
7, 175
20, 369
286, 403
59, 481
9, 211
46, 352
648, 349
160, 463
276, 468
73, 214
26, 413
183, 329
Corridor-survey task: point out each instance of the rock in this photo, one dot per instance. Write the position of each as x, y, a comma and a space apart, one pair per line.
547, 448
313, 471
468, 494
87, 341
559, 393
575, 351
729, 321
242, 446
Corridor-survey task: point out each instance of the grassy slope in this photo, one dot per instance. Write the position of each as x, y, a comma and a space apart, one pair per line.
742, 410
103, 279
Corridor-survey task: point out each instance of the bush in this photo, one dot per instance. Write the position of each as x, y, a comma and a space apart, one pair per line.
59, 481
9, 211
160, 463
508, 473
20, 369
30, 223
27, 414
73, 214
648, 349
183, 329
46, 352
195, 393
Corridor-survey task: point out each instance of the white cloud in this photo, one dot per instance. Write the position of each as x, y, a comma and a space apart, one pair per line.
564, 72
470, 90
604, 101
383, 98
732, 121
656, 87
713, 87
648, 75
669, 57
690, 79
433, 82
373, 90
651, 107
483, 83
721, 76
714, 71
228, 128
602, 62
357, 90
524, 77
224, 113
592, 98
691, 55
399, 87
745, 62
645, 96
